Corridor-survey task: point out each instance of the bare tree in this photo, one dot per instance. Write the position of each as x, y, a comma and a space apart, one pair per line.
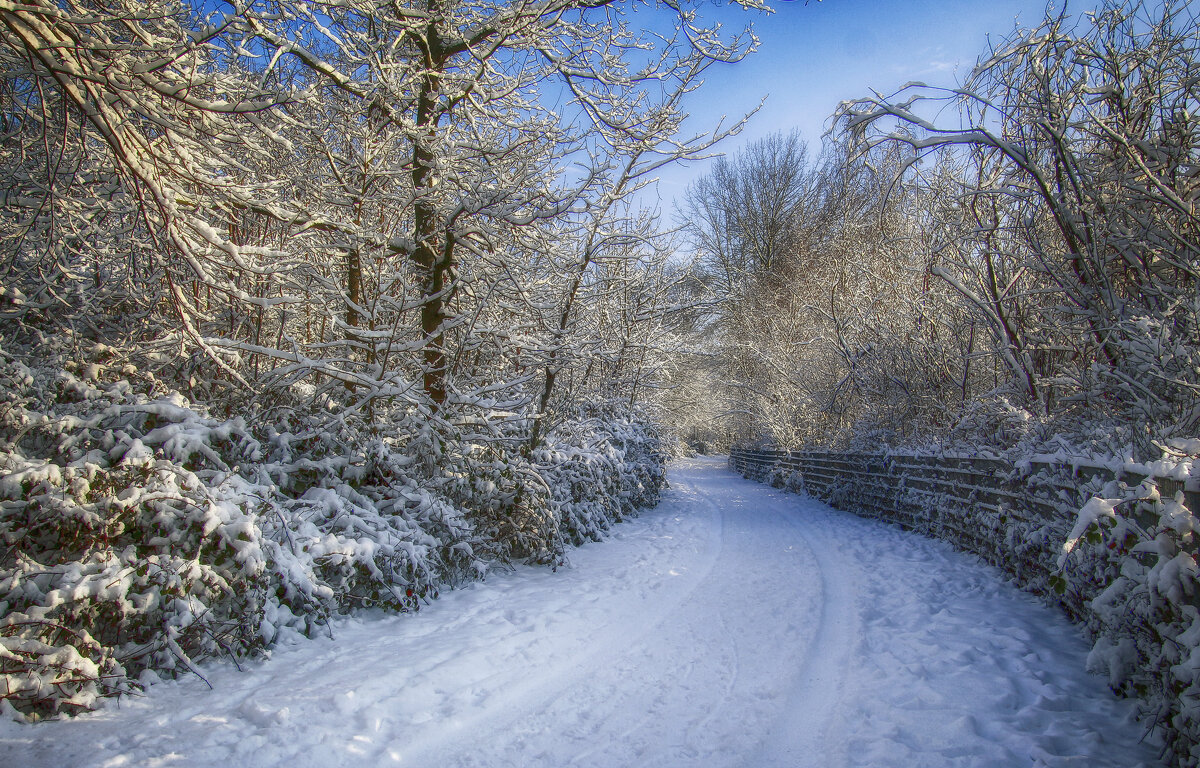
1073, 236
332, 195
820, 296
127, 146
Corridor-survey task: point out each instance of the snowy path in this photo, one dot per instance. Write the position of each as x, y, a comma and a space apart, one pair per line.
734, 625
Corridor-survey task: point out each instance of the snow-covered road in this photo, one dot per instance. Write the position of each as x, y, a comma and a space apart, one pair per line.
734, 625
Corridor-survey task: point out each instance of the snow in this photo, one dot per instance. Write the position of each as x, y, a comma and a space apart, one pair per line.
733, 624
1095, 509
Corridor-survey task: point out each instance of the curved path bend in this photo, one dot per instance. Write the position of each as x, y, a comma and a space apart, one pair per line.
733, 625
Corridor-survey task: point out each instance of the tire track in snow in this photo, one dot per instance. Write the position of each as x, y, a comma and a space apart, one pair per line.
717, 532
931, 658
802, 736
679, 695
558, 686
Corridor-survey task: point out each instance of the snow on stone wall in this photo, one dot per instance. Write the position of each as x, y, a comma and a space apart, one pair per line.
1111, 542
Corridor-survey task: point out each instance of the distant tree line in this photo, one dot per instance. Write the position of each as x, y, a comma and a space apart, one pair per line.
1006, 260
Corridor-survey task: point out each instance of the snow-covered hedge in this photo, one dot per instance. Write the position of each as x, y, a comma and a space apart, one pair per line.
1113, 541
140, 536
602, 466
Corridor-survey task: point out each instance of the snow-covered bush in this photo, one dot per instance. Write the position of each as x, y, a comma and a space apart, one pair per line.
140, 536
786, 479
1119, 554
1133, 552
506, 498
601, 466
350, 528
120, 553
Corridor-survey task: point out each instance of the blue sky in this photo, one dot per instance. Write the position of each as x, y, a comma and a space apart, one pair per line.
816, 55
